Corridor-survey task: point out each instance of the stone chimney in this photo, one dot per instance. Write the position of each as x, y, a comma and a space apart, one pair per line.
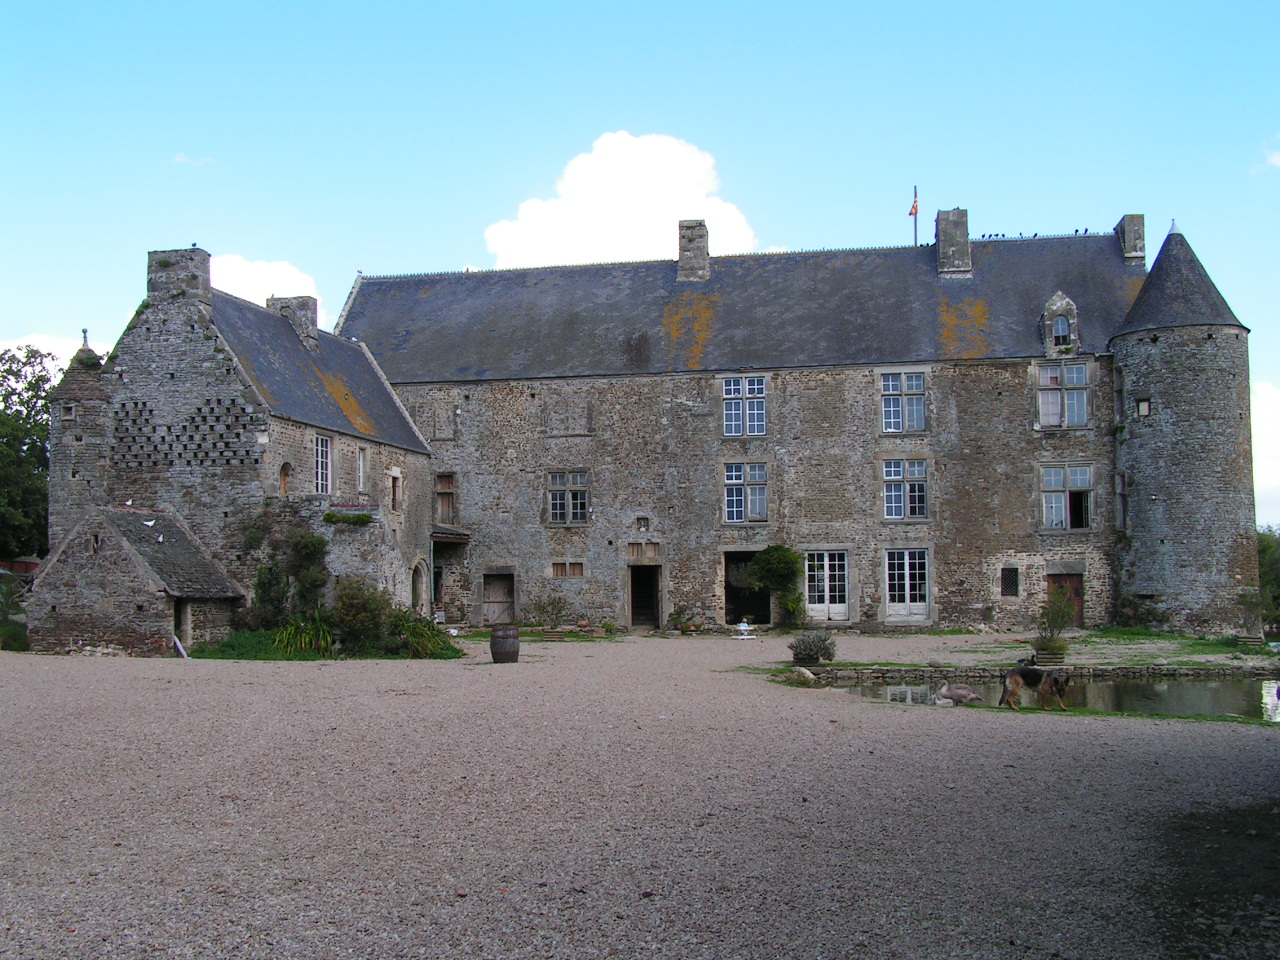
178, 274
695, 261
951, 235
301, 312
1132, 232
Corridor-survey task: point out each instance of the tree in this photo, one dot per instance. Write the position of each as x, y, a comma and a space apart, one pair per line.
26, 380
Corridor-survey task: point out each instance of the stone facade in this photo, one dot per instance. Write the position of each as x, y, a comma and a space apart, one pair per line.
185, 417
1020, 459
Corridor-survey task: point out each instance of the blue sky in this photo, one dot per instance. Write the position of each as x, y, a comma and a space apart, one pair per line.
301, 142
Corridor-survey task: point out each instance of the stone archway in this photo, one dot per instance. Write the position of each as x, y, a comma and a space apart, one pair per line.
420, 589
285, 472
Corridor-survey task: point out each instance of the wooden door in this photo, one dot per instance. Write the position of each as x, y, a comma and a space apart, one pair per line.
1073, 584
499, 598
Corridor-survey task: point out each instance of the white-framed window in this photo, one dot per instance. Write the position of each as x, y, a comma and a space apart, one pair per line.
1061, 331
567, 497
362, 467
744, 406
907, 583
902, 402
324, 463
906, 490
1063, 394
1066, 491
746, 492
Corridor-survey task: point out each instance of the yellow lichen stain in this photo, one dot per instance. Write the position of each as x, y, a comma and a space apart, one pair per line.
963, 328
1129, 290
686, 327
349, 404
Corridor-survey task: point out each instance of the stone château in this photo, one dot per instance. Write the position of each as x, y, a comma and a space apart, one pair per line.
944, 432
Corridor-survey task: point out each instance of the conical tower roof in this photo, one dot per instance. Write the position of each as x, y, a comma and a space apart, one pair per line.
1177, 293
83, 380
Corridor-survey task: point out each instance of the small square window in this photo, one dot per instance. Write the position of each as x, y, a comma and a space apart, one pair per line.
1144, 408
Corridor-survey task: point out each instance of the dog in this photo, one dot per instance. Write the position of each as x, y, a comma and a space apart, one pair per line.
1046, 684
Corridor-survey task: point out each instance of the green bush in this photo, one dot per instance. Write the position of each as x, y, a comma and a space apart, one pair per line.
423, 639
305, 636
13, 637
248, 645
362, 616
351, 519
549, 611
1057, 614
779, 570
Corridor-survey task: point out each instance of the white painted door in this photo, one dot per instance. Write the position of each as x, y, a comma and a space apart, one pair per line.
907, 582
827, 580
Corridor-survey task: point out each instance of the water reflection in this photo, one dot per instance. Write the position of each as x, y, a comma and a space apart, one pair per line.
1253, 699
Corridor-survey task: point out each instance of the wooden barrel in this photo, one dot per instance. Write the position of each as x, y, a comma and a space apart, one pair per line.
504, 644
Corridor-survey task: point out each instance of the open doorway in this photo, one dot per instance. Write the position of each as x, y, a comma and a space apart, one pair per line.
741, 601
646, 610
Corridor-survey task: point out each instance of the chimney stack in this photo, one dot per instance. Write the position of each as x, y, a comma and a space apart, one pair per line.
951, 235
695, 261
1133, 235
301, 312
178, 274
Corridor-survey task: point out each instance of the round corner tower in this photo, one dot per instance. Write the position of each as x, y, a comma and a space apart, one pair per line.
1184, 459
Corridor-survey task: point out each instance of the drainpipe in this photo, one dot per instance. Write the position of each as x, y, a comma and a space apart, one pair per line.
178, 643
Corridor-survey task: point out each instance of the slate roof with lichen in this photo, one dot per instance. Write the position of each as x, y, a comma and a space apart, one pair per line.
782, 310
171, 552
1178, 293
334, 386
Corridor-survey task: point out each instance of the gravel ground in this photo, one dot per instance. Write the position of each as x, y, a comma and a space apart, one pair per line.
641, 798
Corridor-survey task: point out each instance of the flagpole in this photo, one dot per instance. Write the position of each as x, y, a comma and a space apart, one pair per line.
915, 215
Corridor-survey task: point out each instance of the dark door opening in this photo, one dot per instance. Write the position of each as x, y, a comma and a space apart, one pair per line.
645, 609
740, 600
1073, 583
499, 598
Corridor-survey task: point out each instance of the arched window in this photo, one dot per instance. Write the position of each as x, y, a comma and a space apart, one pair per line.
420, 598
285, 471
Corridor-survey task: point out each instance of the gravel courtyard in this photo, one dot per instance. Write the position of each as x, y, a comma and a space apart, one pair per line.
642, 798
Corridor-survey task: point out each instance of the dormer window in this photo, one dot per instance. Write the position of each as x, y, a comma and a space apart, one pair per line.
1059, 327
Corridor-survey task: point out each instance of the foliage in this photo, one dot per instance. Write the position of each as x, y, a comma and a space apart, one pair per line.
305, 636
11, 590
423, 639
351, 519
548, 611
1269, 574
13, 636
362, 616
779, 570
1260, 611
812, 645
270, 599
1057, 614
608, 626
26, 380
1136, 612
302, 558
248, 645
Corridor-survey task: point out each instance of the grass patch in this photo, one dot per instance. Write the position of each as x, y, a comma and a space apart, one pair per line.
248, 645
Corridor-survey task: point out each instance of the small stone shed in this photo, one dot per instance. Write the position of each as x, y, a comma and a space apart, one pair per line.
137, 578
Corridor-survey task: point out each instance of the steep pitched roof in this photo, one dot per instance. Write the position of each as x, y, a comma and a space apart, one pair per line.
1178, 293
171, 552
760, 310
335, 386
82, 380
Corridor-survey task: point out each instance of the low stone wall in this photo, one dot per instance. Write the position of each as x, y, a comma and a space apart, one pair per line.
841, 676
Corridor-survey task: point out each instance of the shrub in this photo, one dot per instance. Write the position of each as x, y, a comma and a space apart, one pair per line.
270, 599
351, 519
813, 645
361, 616
1057, 614
548, 611
779, 569
13, 637
423, 639
305, 636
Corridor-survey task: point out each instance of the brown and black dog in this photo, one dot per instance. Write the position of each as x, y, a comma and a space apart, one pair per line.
1033, 678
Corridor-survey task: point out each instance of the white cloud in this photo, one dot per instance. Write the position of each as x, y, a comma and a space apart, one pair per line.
622, 201
183, 158
256, 280
1273, 158
1265, 404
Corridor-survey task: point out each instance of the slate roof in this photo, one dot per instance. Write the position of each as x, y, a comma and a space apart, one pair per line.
335, 387
760, 310
1178, 293
171, 552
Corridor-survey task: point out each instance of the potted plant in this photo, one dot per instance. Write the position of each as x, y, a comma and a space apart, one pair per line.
810, 647
1057, 614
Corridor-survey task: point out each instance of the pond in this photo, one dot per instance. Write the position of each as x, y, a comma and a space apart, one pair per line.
1252, 699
